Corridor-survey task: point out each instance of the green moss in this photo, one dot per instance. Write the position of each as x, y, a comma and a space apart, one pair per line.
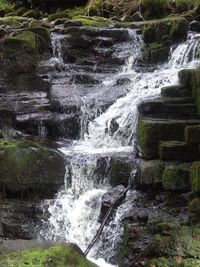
93, 21
151, 132
13, 21
195, 176
26, 167
76, 11
176, 178
174, 241
54, 256
173, 262
28, 37
159, 31
60, 15
7, 7
191, 80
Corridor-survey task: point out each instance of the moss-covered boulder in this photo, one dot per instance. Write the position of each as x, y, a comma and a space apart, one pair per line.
175, 241
195, 176
28, 169
150, 173
176, 178
156, 52
191, 80
120, 172
152, 131
59, 15
194, 208
20, 53
173, 29
192, 134
14, 21
49, 256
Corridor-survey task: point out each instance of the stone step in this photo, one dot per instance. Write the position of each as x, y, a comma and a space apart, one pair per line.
179, 108
178, 151
192, 134
175, 91
151, 131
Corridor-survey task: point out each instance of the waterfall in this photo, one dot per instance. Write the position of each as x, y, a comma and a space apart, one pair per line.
73, 215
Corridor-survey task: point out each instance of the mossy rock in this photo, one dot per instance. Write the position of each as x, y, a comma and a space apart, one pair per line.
32, 14
156, 53
172, 29
151, 132
52, 256
195, 176
182, 241
120, 172
61, 15
194, 209
93, 21
13, 21
20, 11
29, 170
192, 134
191, 80
150, 173
172, 262
176, 178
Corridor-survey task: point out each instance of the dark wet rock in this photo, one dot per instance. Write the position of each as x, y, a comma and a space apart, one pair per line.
111, 199
178, 151
3, 32
30, 170
156, 53
174, 108
122, 81
75, 23
194, 26
83, 79
18, 220
175, 91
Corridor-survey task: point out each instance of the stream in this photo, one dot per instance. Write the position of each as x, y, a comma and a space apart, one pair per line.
106, 133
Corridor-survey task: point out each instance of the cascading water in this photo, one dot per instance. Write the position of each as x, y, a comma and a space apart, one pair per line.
74, 212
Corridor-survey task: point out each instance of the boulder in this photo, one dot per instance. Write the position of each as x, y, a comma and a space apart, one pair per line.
176, 178
192, 134
120, 172
156, 53
150, 174
112, 198
194, 209
172, 29
29, 170
152, 131
194, 26
195, 176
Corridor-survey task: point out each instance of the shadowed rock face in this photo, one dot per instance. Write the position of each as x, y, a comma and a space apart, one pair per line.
51, 5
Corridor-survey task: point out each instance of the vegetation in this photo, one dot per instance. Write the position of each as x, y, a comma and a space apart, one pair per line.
57, 256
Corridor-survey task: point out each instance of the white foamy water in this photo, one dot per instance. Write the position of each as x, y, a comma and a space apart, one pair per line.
75, 211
